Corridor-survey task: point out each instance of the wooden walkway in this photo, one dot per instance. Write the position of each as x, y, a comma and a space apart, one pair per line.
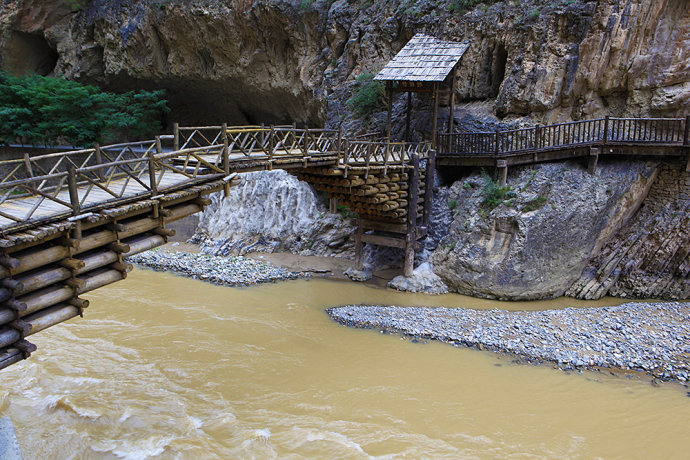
68, 220
619, 137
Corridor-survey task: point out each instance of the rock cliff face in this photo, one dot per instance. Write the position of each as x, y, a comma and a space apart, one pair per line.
648, 258
294, 61
272, 211
536, 243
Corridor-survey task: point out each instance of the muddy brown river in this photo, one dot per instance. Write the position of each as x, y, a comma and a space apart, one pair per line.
167, 367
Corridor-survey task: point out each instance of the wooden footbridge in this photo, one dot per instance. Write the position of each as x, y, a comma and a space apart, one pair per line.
68, 220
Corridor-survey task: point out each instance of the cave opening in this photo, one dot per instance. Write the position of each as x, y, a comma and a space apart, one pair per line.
29, 53
498, 69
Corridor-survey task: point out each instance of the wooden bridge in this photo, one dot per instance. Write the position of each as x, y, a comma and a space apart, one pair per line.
68, 220
587, 139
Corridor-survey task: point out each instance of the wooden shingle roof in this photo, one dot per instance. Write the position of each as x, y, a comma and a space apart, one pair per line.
423, 58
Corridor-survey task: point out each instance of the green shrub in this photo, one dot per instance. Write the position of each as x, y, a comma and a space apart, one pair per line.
452, 204
494, 194
367, 97
346, 212
535, 204
48, 110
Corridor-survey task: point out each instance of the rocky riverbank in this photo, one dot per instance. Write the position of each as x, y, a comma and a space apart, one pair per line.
647, 337
226, 271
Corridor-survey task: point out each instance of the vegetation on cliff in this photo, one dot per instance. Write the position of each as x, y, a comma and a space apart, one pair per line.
49, 110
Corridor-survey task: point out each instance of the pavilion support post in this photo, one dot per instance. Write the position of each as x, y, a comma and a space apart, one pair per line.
389, 95
430, 173
407, 119
502, 166
451, 114
434, 126
333, 205
592, 160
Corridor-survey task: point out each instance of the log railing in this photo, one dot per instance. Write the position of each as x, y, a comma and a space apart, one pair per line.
77, 182
608, 130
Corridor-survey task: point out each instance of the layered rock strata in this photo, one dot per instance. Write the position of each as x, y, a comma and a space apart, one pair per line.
286, 61
648, 258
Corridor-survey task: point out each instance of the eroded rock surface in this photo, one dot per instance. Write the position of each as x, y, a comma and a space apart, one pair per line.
536, 243
423, 279
272, 211
294, 61
648, 258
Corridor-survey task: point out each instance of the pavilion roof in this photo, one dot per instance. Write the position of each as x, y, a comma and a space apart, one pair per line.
423, 58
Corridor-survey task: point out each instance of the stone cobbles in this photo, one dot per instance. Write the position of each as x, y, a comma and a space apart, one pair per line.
648, 337
226, 271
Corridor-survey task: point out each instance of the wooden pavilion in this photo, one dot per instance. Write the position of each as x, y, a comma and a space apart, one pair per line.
424, 65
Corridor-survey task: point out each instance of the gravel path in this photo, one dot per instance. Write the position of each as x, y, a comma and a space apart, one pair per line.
226, 271
650, 337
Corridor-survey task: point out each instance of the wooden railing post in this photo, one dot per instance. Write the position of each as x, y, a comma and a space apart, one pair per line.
496, 149
339, 147
27, 163
606, 130
686, 133
271, 141
537, 137
73, 192
176, 137
159, 146
152, 174
99, 161
305, 142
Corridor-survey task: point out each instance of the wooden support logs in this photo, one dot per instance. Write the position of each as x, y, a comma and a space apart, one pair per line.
5, 294
50, 317
61, 293
75, 283
79, 303
119, 247
143, 243
8, 336
10, 262
165, 232
10, 356
72, 264
12, 284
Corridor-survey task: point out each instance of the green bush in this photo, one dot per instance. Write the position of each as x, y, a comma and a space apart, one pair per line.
535, 204
367, 97
48, 110
494, 194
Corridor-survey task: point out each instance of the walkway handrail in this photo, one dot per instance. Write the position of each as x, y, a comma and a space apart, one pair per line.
608, 130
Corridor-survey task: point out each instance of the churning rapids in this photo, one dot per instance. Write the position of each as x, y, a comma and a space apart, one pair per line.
168, 367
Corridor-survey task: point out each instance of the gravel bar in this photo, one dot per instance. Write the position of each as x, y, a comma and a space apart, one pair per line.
648, 337
226, 271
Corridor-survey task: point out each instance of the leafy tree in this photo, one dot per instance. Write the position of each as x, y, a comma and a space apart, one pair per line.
51, 110
367, 97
